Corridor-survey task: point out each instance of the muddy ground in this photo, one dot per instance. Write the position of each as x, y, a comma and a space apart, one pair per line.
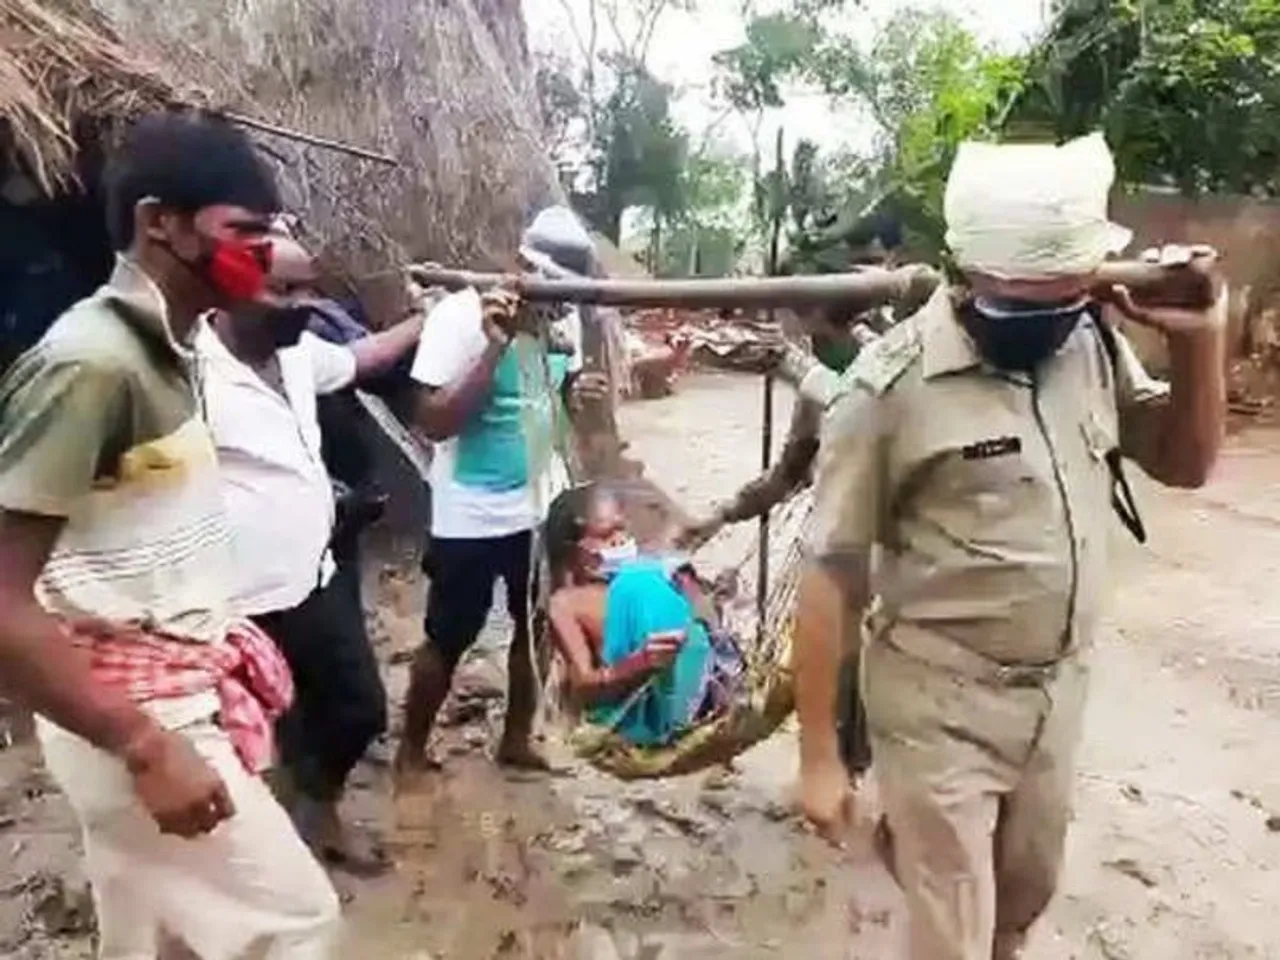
1173, 855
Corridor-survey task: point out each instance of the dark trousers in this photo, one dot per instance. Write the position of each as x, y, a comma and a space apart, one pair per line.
462, 574
340, 704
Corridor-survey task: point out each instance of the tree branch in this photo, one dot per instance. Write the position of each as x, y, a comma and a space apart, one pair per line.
573, 28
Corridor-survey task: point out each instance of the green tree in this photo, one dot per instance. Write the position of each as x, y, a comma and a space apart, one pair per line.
1187, 91
609, 120
929, 84
637, 156
706, 238
752, 78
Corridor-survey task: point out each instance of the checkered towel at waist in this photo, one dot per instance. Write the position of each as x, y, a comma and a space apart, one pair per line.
251, 678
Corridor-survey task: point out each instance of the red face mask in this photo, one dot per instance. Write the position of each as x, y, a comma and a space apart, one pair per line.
238, 270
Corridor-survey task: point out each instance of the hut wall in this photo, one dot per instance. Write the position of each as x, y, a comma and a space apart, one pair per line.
444, 86
1245, 231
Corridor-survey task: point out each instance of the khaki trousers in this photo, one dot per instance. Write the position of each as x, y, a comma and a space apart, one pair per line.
976, 780
250, 889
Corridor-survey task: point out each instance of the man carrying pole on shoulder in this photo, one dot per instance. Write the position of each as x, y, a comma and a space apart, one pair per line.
977, 453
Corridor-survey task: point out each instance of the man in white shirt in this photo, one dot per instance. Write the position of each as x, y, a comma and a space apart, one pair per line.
262, 374
493, 399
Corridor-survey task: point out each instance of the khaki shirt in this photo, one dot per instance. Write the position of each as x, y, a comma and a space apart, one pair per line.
987, 492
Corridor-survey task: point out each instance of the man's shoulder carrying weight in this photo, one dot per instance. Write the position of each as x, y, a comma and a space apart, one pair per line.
883, 362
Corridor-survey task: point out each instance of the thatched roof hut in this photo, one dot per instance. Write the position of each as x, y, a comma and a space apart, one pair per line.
67, 85
65, 80
443, 86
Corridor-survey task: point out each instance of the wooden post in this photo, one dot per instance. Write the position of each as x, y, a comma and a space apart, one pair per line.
766, 432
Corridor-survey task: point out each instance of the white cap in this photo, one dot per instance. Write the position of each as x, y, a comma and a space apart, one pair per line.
555, 236
1029, 211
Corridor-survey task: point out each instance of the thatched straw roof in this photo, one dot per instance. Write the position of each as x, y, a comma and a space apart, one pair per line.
63, 76
444, 86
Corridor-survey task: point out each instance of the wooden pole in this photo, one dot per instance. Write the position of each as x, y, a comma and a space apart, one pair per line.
309, 138
766, 432
1189, 286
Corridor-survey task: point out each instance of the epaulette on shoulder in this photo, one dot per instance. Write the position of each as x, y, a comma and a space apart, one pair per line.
882, 363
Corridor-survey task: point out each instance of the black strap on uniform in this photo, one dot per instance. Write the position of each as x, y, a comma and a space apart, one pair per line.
1122, 499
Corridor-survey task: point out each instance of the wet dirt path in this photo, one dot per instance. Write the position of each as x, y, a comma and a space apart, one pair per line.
1174, 853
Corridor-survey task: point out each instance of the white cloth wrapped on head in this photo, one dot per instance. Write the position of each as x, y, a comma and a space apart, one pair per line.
1032, 211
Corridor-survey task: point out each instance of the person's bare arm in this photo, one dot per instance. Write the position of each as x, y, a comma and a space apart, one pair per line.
39, 667
593, 684
377, 353
833, 595
58, 418
850, 516
1176, 437
442, 412
789, 473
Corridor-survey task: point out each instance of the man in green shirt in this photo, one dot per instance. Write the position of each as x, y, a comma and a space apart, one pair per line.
116, 624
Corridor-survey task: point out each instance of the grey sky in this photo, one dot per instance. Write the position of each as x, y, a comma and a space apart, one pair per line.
684, 45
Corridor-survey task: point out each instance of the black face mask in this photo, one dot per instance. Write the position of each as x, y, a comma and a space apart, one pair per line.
281, 326
288, 324
1019, 336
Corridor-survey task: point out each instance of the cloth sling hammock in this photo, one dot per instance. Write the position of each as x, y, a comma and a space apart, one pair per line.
765, 698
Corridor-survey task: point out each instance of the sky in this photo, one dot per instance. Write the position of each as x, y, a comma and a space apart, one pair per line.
684, 45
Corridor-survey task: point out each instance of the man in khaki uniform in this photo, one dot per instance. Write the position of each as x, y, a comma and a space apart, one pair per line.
973, 450
835, 337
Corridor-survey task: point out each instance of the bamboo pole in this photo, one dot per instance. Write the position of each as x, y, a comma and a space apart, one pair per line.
308, 138
766, 431
1190, 286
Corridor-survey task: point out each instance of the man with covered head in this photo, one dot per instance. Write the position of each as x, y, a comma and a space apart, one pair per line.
493, 376
975, 451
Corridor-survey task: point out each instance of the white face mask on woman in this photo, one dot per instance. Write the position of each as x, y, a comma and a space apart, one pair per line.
614, 556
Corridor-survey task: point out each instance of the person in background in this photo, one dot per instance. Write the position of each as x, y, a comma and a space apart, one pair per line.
835, 338
493, 399
353, 423
116, 574
263, 373
976, 451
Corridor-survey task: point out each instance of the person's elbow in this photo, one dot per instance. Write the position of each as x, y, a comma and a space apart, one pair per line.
1189, 467
434, 417
1181, 459
587, 693
586, 687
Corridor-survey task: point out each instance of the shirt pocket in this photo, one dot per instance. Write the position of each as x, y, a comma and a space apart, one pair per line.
1100, 439
1101, 435
980, 496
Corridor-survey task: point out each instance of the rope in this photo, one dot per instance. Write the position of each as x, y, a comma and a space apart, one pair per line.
534, 363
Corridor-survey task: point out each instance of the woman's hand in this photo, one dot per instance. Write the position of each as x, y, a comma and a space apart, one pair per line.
661, 649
